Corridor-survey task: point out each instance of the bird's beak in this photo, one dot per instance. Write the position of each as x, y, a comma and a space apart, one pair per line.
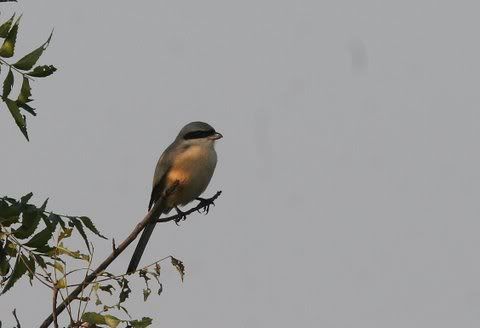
217, 136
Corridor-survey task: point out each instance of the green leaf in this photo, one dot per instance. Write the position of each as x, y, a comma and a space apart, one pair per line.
8, 213
79, 226
89, 224
125, 292
42, 71
24, 199
108, 288
17, 116
5, 27
61, 283
40, 239
4, 265
98, 319
44, 206
179, 266
26, 63
11, 248
62, 250
25, 92
93, 318
24, 97
18, 271
8, 221
56, 219
146, 293
30, 220
45, 250
7, 84
40, 261
111, 321
58, 266
8, 47
30, 263
66, 233
156, 275
27, 108
145, 322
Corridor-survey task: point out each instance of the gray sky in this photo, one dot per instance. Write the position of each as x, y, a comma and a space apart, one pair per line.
349, 164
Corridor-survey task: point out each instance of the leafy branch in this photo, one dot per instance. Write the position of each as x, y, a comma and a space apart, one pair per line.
25, 68
152, 215
24, 251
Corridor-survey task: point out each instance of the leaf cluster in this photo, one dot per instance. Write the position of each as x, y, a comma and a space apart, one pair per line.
108, 284
25, 68
27, 240
33, 244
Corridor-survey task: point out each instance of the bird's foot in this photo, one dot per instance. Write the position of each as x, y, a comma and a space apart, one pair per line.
181, 216
205, 204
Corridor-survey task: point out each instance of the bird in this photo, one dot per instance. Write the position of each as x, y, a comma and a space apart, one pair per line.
182, 174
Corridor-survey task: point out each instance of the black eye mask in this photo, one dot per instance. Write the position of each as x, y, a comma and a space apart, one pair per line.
198, 134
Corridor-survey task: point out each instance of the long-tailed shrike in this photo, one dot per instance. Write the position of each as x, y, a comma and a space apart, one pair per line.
186, 166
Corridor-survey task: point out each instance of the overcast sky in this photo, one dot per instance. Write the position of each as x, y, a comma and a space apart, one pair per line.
349, 163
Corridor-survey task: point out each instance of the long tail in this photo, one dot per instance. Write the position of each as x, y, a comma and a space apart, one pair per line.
142, 243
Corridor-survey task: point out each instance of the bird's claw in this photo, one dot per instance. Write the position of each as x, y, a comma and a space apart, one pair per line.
205, 205
180, 216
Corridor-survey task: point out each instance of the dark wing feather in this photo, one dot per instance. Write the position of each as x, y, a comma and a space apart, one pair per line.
157, 191
159, 178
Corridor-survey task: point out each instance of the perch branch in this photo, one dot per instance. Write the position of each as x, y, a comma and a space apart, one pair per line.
204, 204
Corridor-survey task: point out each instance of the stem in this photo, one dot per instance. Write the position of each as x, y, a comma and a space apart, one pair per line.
69, 311
81, 294
54, 307
86, 303
16, 318
36, 275
16, 70
125, 274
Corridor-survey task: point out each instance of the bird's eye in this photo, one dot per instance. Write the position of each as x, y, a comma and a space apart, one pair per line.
198, 134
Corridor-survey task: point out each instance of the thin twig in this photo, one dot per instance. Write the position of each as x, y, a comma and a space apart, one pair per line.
88, 297
32, 272
126, 274
86, 273
69, 310
16, 319
54, 307
76, 270
3, 62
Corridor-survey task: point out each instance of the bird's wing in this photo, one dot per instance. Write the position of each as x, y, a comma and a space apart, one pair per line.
159, 178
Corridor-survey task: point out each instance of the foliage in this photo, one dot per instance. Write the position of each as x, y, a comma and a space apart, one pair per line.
33, 244
24, 68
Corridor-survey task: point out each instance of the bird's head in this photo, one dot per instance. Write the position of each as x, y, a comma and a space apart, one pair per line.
198, 133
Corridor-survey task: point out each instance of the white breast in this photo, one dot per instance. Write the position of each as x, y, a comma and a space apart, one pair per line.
193, 169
